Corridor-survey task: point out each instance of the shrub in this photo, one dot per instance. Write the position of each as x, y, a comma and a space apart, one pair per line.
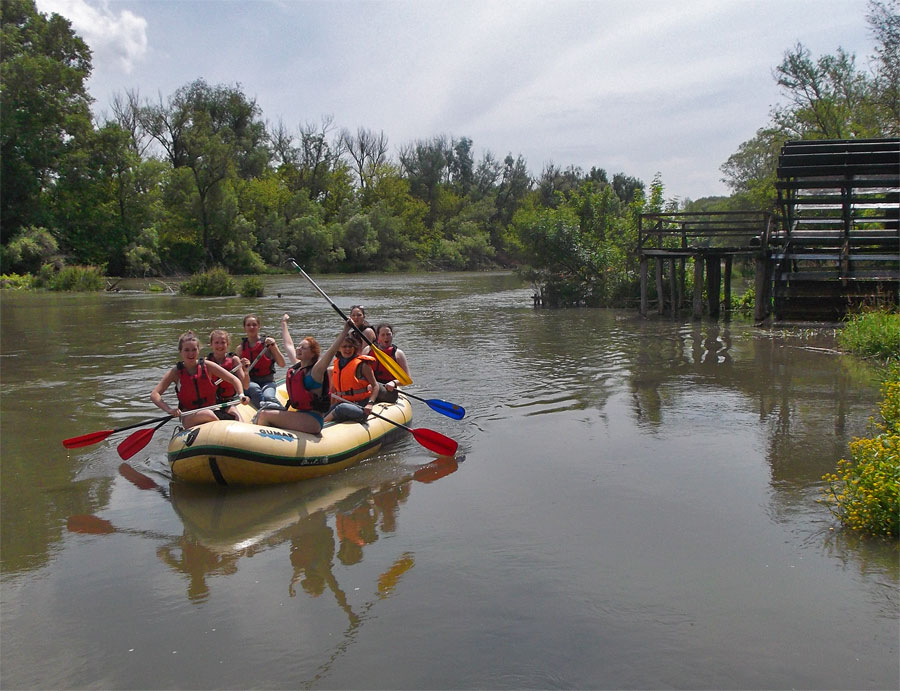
216, 281
16, 281
252, 287
864, 494
26, 252
873, 333
71, 278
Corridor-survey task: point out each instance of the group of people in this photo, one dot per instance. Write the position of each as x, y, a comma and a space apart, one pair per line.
341, 384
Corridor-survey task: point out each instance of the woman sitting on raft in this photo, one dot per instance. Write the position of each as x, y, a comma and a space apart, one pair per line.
358, 317
262, 375
353, 381
194, 385
307, 400
388, 389
219, 341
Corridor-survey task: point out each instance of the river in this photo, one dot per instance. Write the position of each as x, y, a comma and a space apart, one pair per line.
633, 505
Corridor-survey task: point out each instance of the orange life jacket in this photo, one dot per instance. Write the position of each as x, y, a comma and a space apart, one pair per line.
346, 382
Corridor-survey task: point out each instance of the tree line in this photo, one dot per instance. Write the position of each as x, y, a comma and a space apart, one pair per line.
201, 179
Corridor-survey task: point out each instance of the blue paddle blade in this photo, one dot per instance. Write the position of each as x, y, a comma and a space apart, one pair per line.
457, 412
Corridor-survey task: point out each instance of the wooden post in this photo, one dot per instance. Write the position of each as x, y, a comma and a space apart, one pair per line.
644, 301
761, 288
661, 302
681, 273
673, 298
727, 282
713, 285
698, 286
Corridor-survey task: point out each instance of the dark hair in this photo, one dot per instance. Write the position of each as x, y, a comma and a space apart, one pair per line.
382, 326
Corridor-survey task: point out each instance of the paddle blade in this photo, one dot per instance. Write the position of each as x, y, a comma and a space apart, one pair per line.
84, 523
391, 365
135, 442
451, 410
388, 580
87, 439
435, 441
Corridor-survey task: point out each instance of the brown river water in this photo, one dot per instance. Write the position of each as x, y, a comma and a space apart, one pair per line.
634, 505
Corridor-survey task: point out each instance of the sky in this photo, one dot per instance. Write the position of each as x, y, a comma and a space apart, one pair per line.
633, 86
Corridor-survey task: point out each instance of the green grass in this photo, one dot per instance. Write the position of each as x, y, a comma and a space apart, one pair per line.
873, 333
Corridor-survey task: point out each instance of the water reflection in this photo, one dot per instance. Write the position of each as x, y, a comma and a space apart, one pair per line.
323, 520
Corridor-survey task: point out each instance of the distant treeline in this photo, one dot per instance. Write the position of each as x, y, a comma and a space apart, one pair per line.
201, 179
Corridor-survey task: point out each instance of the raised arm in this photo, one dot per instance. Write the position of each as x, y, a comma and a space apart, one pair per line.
318, 370
287, 340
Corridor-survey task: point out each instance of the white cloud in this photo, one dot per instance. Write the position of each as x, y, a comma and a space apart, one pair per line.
120, 37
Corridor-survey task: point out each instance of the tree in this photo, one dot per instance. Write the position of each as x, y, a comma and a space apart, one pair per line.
44, 109
367, 151
214, 132
884, 23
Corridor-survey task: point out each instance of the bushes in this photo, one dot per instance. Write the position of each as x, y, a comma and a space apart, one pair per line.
864, 494
216, 281
252, 287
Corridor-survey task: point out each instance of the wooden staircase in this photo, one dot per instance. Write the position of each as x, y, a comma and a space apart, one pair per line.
839, 245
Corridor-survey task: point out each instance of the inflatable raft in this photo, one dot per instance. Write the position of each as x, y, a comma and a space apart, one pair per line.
232, 452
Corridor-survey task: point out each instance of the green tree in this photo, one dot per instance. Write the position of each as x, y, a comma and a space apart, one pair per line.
44, 109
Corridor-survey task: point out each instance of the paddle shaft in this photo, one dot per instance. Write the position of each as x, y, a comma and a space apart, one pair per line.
434, 441
252, 364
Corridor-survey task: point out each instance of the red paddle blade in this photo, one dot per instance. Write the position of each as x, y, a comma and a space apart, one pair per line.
87, 439
134, 443
84, 523
435, 441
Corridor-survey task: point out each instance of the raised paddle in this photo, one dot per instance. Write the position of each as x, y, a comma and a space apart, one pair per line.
457, 412
431, 440
390, 364
136, 441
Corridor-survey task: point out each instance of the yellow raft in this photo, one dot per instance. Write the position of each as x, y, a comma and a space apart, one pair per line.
229, 452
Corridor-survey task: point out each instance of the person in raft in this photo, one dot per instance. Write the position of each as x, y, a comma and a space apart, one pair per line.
353, 380
387, 392
262, 375
194, 384
219, 341
305, 382
358, 317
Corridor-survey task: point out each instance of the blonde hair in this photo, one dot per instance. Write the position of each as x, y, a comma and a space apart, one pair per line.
222, 333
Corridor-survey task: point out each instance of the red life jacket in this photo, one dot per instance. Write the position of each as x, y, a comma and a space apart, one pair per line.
382, 373
226, 391
194, 390
346, 382
266, 365
299, 396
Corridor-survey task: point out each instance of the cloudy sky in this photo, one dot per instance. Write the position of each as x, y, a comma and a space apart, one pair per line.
633, 86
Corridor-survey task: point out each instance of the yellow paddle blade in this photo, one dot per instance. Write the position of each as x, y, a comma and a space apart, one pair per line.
391, 365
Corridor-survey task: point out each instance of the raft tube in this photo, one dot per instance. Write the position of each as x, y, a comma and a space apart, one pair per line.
232, 452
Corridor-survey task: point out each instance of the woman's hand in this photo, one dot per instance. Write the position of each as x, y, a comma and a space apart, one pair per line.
269, 342
285, 318
244, 399
245, 363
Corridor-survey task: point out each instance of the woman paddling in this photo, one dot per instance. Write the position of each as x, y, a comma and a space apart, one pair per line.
262, 376
219, 341
194, 384
387, 392
306, 384
353, 381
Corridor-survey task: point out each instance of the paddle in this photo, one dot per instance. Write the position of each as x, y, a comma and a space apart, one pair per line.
138, 440
390, 364
457, 412
431, 440
95, 437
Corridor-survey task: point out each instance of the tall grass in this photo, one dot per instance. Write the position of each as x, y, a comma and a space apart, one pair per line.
872, 333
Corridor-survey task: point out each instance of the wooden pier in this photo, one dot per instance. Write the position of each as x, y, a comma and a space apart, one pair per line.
834, 246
